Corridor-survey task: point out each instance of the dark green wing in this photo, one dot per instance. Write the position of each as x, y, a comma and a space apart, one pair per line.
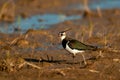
74, 44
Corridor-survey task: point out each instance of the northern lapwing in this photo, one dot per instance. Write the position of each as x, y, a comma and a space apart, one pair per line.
74, 46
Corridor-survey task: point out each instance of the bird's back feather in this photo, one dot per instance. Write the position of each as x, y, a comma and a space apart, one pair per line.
74, 44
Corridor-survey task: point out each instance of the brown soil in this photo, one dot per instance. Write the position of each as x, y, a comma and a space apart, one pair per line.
42, 47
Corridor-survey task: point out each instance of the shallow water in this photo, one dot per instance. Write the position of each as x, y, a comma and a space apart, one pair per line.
102, 4
47, 20
106, 4
36, 22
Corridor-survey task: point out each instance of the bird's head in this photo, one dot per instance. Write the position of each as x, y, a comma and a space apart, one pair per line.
62, 34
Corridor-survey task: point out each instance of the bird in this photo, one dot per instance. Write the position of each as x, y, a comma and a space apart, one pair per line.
74, 46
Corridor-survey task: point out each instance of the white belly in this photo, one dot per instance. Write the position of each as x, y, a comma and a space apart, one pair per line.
74, 51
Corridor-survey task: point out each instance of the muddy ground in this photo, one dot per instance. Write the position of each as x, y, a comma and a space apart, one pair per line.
38, 55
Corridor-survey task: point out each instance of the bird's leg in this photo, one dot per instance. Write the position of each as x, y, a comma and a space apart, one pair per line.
73, 58
84, 59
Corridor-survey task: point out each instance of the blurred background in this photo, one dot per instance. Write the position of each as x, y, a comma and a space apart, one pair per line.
21, 15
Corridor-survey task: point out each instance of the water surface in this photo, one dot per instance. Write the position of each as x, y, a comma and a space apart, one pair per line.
47, 20
36, 22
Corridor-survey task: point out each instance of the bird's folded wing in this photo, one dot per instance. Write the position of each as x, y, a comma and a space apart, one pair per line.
74, 44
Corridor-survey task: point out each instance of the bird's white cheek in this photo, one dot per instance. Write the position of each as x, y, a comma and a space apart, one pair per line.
62, 37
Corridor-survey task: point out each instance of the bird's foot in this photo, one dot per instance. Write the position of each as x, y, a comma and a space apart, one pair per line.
83, 64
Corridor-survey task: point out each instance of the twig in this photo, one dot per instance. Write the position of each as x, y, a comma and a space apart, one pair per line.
21, 65
94, 71
14, 41
33, 65
18, 38
30, 64
99, 11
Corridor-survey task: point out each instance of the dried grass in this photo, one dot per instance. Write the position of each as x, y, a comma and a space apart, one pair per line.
7, 12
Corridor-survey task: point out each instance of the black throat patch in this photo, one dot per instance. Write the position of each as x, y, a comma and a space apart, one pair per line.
64, 42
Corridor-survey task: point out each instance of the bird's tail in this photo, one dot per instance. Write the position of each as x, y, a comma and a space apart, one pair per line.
105, 49
94, 48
